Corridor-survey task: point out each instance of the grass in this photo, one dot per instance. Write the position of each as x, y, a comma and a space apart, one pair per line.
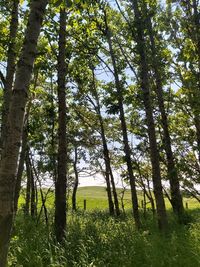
96, 239
96, 198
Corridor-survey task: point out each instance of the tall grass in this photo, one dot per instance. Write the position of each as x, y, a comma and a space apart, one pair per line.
95, 239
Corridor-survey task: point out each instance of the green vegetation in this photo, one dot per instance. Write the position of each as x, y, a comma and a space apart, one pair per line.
96, 239
110, 89
96, 198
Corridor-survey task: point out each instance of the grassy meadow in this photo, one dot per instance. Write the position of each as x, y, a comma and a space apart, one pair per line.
95, 239
96, 198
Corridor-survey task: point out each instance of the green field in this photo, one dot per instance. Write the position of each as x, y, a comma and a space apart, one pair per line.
96, 198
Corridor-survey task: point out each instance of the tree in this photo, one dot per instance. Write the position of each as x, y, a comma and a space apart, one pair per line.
61, 181
119, 88
145, 86
10, 152
176, 198
10, 69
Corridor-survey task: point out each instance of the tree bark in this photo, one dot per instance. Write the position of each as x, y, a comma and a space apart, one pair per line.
10, 152
154, 154
61, 182
176, 198
10, 69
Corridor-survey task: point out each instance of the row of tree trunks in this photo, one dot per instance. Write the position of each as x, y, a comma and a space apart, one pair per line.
109, 173
15, 121
176, 198
30, 204
154, 154
127, 150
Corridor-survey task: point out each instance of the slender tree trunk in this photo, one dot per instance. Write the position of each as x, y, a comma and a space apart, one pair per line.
43, 197
115, 196
10, 152
127, 150
75, 187
176, 198
154, 154
52, 131
30, 178
28, 190
61, 182
20, 168
21, 160
110, 176
10, 69
197, 126
108, 189
33, 192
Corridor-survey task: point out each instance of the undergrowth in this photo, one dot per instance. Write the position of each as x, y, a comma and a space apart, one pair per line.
95, 239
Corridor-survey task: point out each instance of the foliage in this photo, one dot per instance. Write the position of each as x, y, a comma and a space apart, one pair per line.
96, 239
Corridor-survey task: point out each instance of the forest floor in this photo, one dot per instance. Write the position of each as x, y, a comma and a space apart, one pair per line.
95, 239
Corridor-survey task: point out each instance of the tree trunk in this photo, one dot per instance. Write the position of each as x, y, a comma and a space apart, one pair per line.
10, 69
31, 181
193, 16
197, 126
20, 168
75, 187
61, 182
43, 197
33, 191
154, 154
110, 176
127, 150
10, 152
176, 198
28, 190
114, 191
21, 160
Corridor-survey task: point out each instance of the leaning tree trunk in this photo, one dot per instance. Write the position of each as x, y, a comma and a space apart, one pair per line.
10, 152
107, 161
127, 150
176, 198
107, 164
154, 154
10, 69
61, 181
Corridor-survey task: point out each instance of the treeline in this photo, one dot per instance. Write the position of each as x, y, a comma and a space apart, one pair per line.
114, 85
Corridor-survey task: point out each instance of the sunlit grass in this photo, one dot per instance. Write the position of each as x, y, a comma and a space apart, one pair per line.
96, 198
